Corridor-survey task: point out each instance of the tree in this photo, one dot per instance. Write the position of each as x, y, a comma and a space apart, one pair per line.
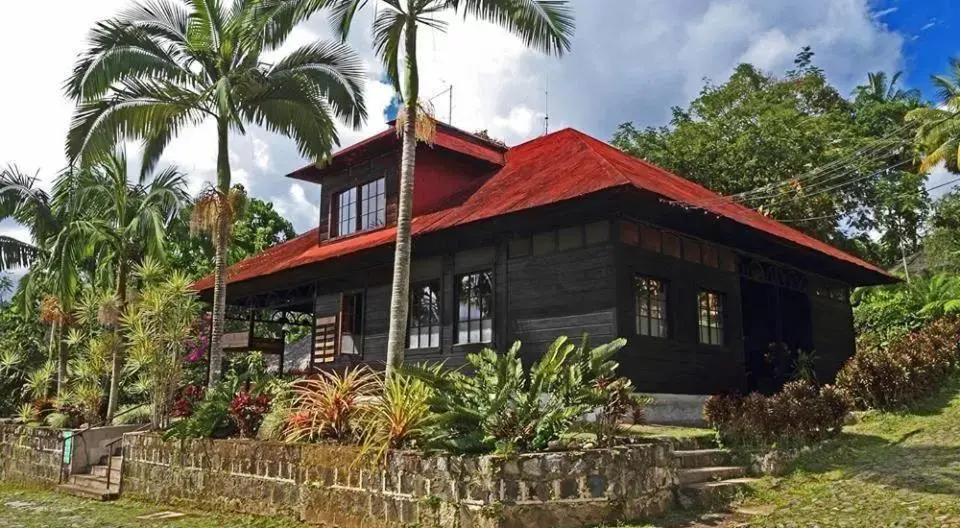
162, 66
795, 149
126, 222
56, 255
257, 227
546, 25
938, 137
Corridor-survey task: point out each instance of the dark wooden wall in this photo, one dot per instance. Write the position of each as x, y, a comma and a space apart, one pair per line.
679, 364
833, 336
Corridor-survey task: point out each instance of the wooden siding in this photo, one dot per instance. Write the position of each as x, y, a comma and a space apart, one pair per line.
679, 364
833, 337
563, 292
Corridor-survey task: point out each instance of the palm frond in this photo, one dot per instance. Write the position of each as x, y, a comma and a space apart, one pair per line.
388, 31
546, 25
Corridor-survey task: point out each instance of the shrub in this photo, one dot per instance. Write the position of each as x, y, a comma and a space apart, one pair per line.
327, 406
400, 418
500, 406
907, 368
248, 412
800, 414
184, 404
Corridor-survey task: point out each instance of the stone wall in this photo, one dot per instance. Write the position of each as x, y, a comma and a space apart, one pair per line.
30, 454
321, 484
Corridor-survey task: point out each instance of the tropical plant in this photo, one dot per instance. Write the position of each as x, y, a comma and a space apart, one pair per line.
894, 310
890, 375
805, 366
938, 137
502, 407
328, 406
546, 25
800, 414
400, 418
126, 222
248, 411
161, 66
880, 90
156, 326
56, 255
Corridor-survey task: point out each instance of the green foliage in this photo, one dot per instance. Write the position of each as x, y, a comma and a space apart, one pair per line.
894, 310
500, 406
212, 416
156, 326
257, 227
938, 138
400, 418
800, 414
889, 375
22, 350
329, 405
805, 366
757, 131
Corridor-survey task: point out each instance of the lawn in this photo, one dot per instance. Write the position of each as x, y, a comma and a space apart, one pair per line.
31, 508
891, 469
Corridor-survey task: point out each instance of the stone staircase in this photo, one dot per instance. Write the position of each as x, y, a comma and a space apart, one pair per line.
707, 474
93, 484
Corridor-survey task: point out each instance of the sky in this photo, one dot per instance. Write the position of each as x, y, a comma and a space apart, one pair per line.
631, 60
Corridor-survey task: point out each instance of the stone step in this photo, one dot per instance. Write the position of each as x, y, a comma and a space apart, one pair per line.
696, 458
692, 443
713, 492
101, 471
100, 494
88, 480
710, 474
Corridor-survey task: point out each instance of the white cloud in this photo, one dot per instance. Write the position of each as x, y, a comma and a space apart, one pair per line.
941, 181
631, 61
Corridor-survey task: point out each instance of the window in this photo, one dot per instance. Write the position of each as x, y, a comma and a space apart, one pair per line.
475, 307
347, 212
373, 204
651, 297
351, 323
711, 318
424, 328
361, 208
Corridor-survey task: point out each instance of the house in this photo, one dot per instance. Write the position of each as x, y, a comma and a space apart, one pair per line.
561, 235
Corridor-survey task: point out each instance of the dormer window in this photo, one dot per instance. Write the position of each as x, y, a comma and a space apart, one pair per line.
360, 208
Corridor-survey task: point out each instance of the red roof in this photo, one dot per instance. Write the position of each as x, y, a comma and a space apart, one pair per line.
560, 166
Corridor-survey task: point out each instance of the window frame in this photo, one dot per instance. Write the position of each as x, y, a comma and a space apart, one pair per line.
662, 300
716, 318
437, 286
357, 319
358, 214
458, 284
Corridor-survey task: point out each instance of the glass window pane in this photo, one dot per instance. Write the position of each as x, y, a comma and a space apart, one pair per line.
486, 331
435, 337
651, 305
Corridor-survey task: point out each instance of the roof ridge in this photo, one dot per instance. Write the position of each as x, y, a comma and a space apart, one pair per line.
603, 160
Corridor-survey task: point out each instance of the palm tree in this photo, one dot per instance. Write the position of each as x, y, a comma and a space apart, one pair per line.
546, 25
126, 223
165, 65
56, 254
879, 90
938, 137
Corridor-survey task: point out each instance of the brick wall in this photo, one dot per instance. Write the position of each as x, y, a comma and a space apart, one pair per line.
30, 454
321, 483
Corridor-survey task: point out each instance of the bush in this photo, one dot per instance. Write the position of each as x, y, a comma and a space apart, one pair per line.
248, 412
328, 405
400, 418
800, 414
907, 368
502, 407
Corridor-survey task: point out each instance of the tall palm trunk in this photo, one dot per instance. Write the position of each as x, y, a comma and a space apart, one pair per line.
220, 241
400, 295
117, 363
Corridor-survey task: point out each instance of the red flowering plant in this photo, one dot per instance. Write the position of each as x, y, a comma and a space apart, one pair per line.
188, 398
248, 412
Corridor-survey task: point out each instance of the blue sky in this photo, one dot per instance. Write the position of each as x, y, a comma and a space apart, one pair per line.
930, 35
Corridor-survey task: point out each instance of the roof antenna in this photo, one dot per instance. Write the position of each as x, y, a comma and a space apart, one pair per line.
546, 112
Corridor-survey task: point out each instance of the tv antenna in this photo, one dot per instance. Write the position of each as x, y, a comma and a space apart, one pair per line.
449, 91
546, 109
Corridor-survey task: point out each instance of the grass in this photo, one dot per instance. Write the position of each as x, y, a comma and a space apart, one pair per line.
32, 508
891, 469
